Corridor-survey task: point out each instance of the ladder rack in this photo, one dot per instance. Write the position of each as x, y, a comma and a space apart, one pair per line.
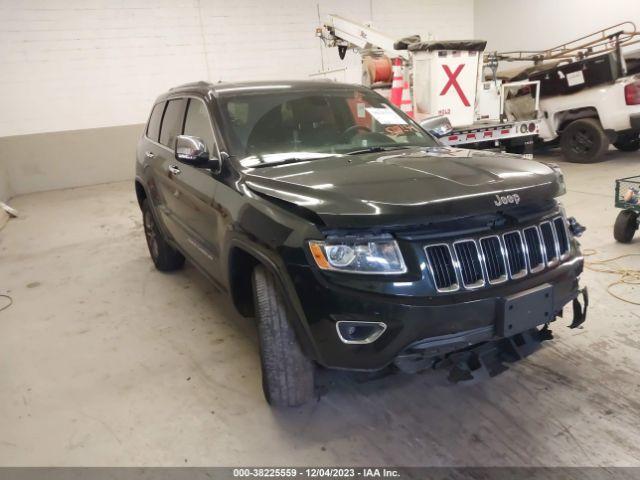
599, 42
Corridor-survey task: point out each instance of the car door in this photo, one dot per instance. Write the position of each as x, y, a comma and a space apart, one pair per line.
163, 158
193, 191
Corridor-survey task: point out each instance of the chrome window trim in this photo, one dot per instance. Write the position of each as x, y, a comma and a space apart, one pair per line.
524, 271
477, 284
452, 288
502, 278
540, 267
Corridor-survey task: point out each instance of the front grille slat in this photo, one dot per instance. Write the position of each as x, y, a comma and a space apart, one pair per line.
469, 259
534, 249
494, 259
561, 233
442, 268
470, 263
549, 240
515, 254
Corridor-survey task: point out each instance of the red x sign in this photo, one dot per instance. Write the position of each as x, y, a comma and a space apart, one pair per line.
453, 82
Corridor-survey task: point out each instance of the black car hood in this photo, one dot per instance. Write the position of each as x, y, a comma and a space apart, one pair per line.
407, 186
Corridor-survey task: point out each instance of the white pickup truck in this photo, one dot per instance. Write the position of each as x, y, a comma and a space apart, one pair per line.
586, 122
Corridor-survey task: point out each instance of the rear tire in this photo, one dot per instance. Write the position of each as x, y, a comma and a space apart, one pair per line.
627, 142
584, 141
287, 374
625, 226
164, 256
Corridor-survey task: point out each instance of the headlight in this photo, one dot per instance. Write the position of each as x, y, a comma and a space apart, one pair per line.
379, 255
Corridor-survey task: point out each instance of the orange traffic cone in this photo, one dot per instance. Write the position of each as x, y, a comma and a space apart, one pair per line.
406, 105
396, 84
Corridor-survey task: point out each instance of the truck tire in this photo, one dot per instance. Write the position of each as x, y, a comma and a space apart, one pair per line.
627, 142
164, 256
287, 374
625, 226
584, 141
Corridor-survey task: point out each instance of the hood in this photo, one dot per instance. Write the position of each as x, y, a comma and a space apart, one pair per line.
406, 187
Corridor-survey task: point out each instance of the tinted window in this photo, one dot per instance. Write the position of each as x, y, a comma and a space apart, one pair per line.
286, 123
172, 122
197, 123
153, 127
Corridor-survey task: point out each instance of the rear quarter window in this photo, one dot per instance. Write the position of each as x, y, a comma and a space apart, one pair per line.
153, 127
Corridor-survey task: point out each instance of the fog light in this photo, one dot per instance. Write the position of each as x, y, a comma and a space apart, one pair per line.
359, 332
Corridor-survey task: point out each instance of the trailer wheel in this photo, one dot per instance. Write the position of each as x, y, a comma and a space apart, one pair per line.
625, 226
627, 142
584, 141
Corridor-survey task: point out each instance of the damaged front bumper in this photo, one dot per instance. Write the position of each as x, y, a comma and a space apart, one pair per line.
477, 352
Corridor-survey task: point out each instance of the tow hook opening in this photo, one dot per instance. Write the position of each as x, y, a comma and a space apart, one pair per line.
356, 332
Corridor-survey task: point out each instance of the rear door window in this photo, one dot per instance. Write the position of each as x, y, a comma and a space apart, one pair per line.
153, 127
172, 122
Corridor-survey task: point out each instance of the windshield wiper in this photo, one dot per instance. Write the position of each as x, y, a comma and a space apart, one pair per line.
376, 149
288, 160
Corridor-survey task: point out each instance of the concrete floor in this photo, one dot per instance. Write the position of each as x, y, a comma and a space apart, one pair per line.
105, 361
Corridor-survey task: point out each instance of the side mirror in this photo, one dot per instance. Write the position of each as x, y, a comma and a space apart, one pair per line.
438, 126
192, 151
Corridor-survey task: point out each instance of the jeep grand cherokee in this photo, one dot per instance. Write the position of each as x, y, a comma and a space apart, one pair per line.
352, 236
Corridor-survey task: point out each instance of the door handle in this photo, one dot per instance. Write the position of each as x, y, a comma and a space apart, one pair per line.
174, 170
149, 154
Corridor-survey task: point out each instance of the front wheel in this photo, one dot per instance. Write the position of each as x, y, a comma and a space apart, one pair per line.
625, 226
584, 141
628, 142
287, 374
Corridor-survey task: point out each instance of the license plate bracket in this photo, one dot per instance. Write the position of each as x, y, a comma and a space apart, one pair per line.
525, 310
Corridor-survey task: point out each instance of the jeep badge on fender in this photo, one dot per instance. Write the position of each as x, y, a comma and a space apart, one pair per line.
504, 200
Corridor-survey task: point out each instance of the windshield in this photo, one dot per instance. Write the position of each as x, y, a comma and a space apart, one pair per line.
276, 126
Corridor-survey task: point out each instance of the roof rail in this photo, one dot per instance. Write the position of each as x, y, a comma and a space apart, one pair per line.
200, 83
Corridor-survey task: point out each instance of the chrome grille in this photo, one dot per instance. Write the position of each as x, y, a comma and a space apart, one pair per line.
549, 240
470, 266
515, 254
534, 249
442, 268
561, 234
494, 259
472, 263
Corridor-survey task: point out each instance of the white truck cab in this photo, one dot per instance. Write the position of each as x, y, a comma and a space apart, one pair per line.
586, 122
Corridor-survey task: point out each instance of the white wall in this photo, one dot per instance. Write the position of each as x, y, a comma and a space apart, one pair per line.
542, 24
76, 64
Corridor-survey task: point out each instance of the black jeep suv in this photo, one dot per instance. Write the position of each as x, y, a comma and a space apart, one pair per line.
355, 238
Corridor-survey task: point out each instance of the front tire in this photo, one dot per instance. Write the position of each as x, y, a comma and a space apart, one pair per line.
164, 256
584, 141
625, 226
627, 142
287, 374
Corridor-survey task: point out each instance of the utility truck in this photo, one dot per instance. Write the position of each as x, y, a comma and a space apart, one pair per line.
589, 91
448, 95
